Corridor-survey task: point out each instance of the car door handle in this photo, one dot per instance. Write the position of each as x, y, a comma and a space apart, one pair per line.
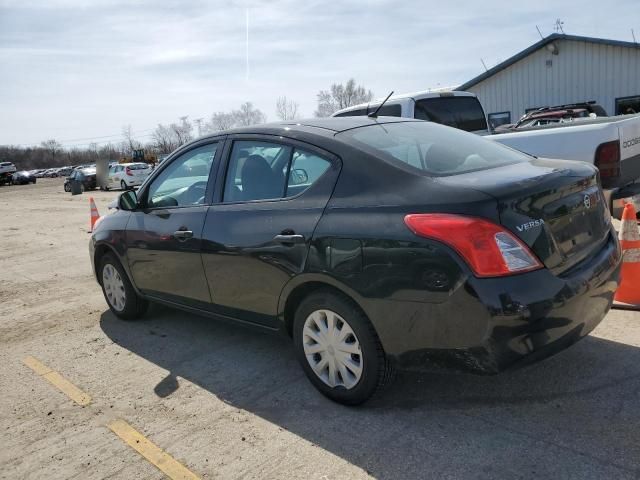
289, 238
183, 235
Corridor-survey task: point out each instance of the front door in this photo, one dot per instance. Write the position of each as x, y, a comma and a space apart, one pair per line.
257, 236
164, 237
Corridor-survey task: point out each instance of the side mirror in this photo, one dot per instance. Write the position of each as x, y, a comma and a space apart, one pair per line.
128, 200
299, 176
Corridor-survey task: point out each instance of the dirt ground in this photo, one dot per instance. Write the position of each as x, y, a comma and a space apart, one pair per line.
228, 402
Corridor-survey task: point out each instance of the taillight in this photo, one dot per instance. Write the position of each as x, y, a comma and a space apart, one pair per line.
489, 249
608, 159
128, 171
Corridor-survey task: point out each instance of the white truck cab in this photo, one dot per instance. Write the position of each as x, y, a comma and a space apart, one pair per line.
455, 109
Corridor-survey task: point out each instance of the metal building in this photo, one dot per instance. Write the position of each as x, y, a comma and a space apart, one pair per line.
561, 69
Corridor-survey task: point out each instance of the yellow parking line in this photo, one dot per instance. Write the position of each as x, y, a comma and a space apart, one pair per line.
154, 454
58, 381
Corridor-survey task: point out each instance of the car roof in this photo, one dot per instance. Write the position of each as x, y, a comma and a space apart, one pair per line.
327, 126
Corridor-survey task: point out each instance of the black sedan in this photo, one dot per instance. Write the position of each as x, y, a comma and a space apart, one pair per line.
86, 178
23, 178
375, 243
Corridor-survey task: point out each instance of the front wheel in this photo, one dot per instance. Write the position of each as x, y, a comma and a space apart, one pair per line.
339, 349
123, 185
122, 299
67, 187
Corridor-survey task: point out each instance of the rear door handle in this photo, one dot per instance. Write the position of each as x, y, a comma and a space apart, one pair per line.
183, 235
289, 239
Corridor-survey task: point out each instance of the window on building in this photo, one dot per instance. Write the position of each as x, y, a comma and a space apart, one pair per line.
499, 118
628, 105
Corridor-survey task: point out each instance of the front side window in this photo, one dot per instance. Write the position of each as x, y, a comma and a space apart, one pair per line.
432, 148
270, 171
184, 181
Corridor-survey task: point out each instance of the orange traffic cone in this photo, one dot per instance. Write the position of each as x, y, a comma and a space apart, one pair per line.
94, 214
629, 289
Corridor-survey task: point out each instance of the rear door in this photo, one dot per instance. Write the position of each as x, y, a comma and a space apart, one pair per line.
164, 237
257, 235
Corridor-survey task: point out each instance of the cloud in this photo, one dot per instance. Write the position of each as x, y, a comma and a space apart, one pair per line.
85, 68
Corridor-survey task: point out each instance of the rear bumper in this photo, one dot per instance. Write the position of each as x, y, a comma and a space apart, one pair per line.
490, 325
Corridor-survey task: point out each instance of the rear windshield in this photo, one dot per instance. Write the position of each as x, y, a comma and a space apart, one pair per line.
431, 148
464, 113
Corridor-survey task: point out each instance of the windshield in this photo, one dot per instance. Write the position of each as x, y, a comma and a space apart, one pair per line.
432, 148
464, 113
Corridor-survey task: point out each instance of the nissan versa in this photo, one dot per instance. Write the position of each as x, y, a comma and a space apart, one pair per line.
376, 243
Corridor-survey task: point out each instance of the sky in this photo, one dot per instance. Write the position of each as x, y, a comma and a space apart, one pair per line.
78, 71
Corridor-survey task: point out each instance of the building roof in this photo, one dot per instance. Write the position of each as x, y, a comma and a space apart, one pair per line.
538, 45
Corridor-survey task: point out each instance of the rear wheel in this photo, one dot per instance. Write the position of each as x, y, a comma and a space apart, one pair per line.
339, 349
122, 299
123, 185
67, 187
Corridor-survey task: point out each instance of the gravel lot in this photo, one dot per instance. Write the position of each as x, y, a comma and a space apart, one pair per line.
229, 402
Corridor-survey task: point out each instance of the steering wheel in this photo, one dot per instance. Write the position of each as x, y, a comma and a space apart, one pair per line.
195, 193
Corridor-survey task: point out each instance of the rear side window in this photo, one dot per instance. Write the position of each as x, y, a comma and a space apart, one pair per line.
464, 113
432, 148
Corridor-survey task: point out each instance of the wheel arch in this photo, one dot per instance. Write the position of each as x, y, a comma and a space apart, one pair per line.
300, 287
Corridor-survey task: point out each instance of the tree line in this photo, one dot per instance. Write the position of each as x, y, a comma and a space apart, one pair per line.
165, 138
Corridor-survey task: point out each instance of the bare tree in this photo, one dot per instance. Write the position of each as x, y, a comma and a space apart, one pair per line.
166, 138
129, 144
52, 147
220, 121
248, 115
163, 139
286, 109
182, 131
341, 96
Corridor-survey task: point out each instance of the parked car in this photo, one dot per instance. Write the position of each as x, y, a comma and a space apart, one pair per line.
64, 171
128, 175
375, 243
7, 169
86, 177
610, 143
22, 178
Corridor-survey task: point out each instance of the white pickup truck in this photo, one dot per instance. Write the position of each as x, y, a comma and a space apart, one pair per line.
610, 143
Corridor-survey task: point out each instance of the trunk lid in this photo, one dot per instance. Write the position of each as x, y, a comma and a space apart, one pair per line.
556, 207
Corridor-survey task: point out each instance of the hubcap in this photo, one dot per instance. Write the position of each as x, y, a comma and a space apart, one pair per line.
113, 287
332, 349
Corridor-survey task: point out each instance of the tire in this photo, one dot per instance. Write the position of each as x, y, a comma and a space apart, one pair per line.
67, 187
123, 185
132, 306
376, 371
